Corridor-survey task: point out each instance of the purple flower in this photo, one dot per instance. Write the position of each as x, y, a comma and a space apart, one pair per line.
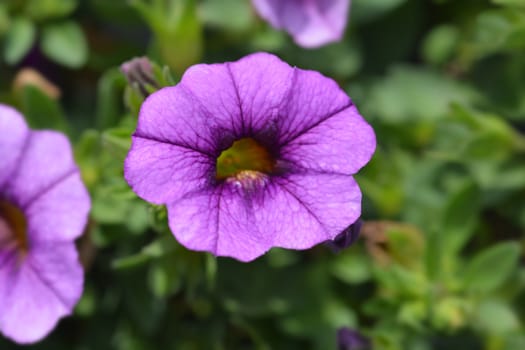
312, 23
250, 155
43, 208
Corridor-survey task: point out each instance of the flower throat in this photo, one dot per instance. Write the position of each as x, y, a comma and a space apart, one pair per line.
244, 156
16, 221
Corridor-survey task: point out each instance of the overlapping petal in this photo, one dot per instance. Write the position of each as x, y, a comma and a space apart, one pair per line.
312, 23
35, 294
297, 211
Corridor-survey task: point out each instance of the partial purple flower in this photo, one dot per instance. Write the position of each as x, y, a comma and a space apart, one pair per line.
349, 339
312, 23
251, 155
43, 209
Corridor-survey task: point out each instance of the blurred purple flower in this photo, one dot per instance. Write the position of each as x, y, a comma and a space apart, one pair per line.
250, 155
349, 339
312, 23
346, 238
43, 208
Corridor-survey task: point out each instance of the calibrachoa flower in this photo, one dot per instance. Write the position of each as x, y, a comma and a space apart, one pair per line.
250, 155
312, 23
43, 208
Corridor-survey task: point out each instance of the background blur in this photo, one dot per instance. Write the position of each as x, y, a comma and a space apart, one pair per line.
439, 264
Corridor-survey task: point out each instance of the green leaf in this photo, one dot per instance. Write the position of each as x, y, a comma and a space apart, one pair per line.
510, 2
352, 268
19, 39
366, 10
65, 43
110, 105
232, 15
450, 313
118, 138
4, 19
415, 94
46, 9
490, 268
344, 57
460, 217
440, 43
41, 111
496, 317
158, 248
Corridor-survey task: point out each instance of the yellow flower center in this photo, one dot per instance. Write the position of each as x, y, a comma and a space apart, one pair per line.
16, 222
245, 156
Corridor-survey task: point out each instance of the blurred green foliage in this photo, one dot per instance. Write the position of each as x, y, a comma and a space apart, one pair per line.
440, 261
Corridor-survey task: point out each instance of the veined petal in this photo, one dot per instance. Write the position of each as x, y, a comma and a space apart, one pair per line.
221, 221
243, 222
161, 172
314, 207
14, 135
242, 97
211, 89
173, 115
263, 82
36, 292
342, 143
45, 163
321, 129
61, 213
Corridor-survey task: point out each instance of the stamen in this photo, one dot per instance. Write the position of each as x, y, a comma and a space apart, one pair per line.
245, 155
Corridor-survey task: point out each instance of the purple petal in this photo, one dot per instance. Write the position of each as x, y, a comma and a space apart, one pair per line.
314, 208
61, 213
321, 129
161, 172
46, 162
312, 23
296, 212
263, 83
221, 221
211, 88
242, 96
37, 292
174, 116
14, 134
